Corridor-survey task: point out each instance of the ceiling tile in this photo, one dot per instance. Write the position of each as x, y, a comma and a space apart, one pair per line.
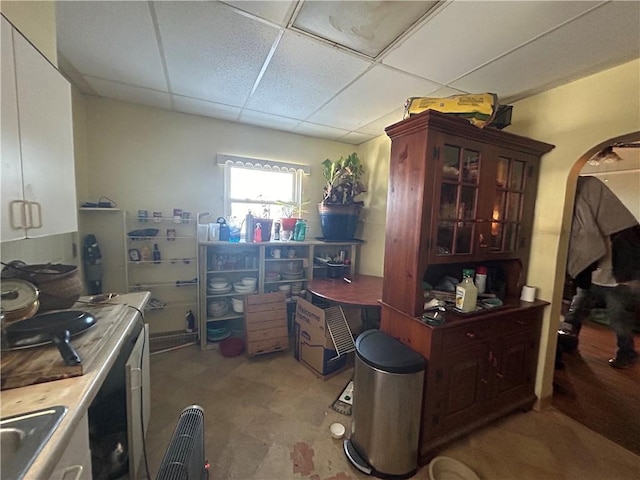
323, 131
204, 108
377, 126
267, 120
212, 52
128, 93
370, 97
277, 12
112, 40
366, 27
565, 53
356, 138
302, 75
465, 35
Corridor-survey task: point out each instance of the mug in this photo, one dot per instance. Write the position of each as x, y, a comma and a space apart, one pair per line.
275, 252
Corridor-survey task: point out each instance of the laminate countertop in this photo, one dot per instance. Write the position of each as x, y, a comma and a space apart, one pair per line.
75, 393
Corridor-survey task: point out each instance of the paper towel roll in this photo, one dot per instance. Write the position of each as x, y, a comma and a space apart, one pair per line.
528, 294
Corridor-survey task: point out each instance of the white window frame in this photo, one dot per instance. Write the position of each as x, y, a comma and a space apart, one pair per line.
230, 161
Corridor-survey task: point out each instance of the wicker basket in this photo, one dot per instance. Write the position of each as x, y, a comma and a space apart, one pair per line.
60, 285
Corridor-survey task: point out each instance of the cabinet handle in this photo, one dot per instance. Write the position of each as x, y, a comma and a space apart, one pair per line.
72, 473
471, 335
38, 209
499, 375
18, 208
484, 381
521, 322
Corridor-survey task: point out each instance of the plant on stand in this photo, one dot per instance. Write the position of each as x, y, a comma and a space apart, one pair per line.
339, 209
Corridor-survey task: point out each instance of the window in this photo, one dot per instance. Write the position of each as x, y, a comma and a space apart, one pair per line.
259, 185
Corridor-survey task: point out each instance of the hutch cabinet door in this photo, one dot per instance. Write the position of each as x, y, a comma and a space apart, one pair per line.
462, 382
459, 202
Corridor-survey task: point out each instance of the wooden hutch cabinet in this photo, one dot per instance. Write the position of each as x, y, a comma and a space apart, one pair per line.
461, 196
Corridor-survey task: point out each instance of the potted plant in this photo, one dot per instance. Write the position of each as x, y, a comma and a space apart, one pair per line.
291, 212
339, 210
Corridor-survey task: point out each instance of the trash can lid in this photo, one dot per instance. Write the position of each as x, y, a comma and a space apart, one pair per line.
385, 353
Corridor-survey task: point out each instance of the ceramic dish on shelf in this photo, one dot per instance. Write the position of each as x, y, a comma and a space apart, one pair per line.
217, 334
249, 281
240, 288
218, 282
219, 291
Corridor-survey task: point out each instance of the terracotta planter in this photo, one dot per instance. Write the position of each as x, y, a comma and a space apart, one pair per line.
288, 223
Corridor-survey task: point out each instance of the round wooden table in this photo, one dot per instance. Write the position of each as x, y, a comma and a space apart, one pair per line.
362, 291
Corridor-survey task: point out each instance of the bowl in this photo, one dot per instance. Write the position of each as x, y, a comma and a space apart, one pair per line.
445, 468
249, 281
337, 430
285, 288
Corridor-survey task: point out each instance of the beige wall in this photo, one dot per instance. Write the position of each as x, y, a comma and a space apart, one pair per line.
577, 118
37, 22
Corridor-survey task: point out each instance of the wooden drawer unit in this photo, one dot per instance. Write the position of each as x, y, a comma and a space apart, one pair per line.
266, 323
467, 335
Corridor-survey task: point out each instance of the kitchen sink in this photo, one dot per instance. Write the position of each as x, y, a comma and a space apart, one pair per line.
23, 436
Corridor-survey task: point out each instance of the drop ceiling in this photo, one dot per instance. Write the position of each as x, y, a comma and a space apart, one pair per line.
335, 70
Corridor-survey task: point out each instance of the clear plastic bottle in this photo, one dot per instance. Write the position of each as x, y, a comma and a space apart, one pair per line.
466, 292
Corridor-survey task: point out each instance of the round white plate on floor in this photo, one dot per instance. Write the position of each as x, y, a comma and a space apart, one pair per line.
447, 468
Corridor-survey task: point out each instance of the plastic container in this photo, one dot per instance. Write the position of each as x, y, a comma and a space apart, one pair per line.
481, 279
466, 292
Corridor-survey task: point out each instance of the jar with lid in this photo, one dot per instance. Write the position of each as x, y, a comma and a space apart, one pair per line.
466, 292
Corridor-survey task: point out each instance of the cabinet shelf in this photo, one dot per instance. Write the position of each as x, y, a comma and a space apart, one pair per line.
171, 305
228, 316
145, 286
227, 255
151, 263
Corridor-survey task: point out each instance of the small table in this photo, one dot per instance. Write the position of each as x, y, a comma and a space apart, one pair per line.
363, 292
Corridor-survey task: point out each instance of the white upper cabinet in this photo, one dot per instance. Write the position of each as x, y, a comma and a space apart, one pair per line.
38, 175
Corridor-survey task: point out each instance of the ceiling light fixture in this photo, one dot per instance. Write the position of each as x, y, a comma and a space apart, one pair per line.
606, 155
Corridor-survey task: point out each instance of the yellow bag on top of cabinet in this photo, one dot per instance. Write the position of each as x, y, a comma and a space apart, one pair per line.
480, 109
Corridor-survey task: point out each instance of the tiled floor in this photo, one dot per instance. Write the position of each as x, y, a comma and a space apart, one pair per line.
268, 418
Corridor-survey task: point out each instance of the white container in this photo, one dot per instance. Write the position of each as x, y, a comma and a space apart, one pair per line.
214, 232
249, 281
237, 304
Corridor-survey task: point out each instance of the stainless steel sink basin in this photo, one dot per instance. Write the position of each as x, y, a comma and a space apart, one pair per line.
22, 438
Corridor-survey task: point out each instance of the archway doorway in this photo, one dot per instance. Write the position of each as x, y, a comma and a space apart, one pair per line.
587, 389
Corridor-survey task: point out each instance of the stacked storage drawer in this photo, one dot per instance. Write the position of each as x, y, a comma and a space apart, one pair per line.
266, 323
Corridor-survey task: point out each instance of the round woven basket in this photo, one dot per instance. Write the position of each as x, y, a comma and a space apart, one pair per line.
60, 285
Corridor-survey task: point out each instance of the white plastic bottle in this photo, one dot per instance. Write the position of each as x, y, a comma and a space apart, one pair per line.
481, 279
466, 292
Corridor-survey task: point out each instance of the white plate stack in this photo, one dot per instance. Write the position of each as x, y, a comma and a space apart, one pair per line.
218, 308
292, 275
218, 286
240, 287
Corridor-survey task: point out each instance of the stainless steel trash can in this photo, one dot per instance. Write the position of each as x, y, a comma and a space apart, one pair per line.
387, 401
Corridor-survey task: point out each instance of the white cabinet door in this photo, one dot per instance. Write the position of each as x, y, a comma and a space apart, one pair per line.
138, 400
75, 462
11, 164
46, 139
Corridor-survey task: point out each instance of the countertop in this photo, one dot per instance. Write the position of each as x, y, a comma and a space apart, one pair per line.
358, 291
75, 393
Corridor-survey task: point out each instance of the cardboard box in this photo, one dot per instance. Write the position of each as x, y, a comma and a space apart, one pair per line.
313, 345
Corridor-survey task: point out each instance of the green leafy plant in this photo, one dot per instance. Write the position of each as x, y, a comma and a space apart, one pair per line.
292, 209
343, 180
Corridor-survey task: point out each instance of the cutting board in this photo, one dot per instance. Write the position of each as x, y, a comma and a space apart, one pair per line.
28, 366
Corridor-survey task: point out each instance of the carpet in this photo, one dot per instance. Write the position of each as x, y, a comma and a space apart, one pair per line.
344, 402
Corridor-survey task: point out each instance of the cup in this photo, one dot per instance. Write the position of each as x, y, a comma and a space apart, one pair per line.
275, 252
291, 252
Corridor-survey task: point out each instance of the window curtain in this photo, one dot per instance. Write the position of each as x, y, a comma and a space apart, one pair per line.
259, 163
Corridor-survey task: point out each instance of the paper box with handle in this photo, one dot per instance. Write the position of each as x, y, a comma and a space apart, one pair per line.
314, 347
